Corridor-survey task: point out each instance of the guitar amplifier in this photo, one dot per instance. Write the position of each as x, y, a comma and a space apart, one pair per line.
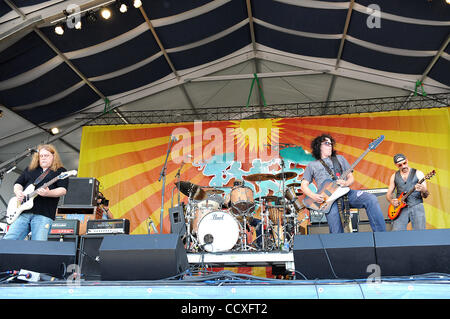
108, 226
65, 227
81, 197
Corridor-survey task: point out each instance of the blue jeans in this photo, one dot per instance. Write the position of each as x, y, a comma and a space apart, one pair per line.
414, 214
38, 225
358, 199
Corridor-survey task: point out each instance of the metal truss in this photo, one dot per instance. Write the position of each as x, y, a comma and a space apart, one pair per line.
227, 113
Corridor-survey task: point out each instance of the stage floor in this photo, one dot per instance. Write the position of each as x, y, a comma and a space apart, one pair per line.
250, 288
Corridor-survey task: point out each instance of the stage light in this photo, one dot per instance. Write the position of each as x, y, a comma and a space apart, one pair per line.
59, 29
123, 8
78, 25
54, 130
448, 1
137, 3
105, 13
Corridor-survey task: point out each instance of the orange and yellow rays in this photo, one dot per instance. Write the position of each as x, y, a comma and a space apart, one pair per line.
256, 135
127, 159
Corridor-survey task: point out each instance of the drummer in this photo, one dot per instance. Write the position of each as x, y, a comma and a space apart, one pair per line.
252, 221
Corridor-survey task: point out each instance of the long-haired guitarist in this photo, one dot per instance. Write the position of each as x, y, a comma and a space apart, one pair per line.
404, 180
45, 165
324, 152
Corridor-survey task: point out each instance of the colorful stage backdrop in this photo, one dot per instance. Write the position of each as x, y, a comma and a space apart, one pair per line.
127, 159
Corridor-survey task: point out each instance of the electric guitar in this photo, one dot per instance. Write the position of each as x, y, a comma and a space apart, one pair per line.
331, 191
15, 207
394, 212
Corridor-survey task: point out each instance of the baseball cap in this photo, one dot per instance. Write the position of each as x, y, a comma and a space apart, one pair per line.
399, 158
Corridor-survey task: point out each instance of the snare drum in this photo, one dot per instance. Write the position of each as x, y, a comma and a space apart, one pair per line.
241, 199
218, 231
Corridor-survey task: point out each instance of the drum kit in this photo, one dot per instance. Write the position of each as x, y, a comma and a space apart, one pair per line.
218, 222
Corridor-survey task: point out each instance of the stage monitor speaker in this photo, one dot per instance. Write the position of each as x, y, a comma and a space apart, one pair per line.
48, 257
89, 256
82, 192
331, 256
413, 252
142, 257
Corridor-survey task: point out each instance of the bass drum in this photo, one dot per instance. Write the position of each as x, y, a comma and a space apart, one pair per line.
218, 231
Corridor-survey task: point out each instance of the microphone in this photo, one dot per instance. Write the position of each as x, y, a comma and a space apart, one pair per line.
32, 150
11, 169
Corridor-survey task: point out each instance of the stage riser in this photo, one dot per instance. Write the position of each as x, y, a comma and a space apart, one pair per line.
399, 253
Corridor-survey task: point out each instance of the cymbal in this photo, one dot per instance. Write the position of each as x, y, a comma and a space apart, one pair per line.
259, 177
294, 185
191, 190
287, 175
270, 198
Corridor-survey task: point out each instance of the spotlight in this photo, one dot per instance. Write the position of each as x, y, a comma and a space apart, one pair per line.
124, 8
448, 1
137, 3
54, 130
105, 13
59, 29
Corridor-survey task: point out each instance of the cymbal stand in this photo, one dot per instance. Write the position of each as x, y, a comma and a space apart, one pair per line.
263, 208
189, 218
284, 206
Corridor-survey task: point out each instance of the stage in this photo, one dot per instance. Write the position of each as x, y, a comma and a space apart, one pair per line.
413, 265
229, 285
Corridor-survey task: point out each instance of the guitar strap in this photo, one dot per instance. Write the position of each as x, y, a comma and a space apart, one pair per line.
344, 212
41, 177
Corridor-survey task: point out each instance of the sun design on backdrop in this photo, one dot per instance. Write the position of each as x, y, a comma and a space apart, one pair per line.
257, 134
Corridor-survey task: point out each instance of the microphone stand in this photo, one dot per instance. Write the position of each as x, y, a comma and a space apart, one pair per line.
163, 176
8, 166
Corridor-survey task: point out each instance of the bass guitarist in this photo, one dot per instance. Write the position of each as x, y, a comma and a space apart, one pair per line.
403, 180
323, 150
45, 165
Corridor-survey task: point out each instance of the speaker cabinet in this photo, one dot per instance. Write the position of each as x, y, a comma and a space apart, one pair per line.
413, 252
380, 193
177, 221
48, 257
330, 256
142, 257
81, 197
89, 256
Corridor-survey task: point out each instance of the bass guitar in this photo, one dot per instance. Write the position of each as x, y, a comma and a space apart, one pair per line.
331, 191
16, 207
394, 212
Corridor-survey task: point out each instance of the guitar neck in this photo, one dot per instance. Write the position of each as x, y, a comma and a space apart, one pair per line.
412, 189
50, 182
344, 174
